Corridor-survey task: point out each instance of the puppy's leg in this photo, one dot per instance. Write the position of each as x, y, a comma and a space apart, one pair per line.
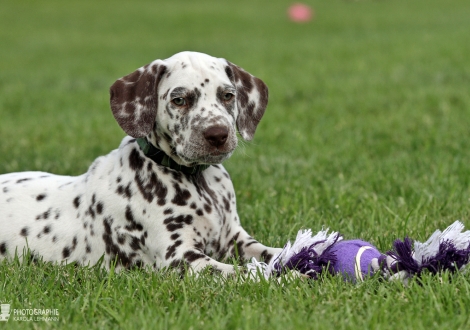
246, 247
195, 261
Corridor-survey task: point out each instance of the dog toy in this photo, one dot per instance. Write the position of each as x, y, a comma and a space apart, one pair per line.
356, 259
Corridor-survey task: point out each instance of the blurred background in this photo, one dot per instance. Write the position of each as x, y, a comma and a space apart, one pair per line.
367, 123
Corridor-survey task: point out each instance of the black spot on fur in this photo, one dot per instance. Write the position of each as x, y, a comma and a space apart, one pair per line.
175, 236
3, 248
151, 188
121, 239
251, 242
135, 243
181, 196
226, 204
198, 233
107, 225
76, 202
23, 180
90, 211
47, 229
137, 264
199, 212
177, 176
168, 211
44, 215
170, 252
124, 191
207, 208
65, 252
112, 249
199, 246
40, 197
266, 256
239, 250
174, 223
203, 190
130, 218
136, 161
191, 256
24, 232
179, 265
99, 208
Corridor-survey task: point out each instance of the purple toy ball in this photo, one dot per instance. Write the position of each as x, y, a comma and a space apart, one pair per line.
354, 258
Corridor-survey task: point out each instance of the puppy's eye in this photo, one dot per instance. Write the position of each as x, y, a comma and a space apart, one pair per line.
228, 96
179, 101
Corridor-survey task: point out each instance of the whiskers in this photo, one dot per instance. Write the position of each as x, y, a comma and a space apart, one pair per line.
241, 147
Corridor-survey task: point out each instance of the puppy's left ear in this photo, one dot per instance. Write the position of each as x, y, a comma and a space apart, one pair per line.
252, 99
134, 99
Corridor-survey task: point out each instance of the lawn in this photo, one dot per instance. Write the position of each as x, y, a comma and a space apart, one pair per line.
366, 132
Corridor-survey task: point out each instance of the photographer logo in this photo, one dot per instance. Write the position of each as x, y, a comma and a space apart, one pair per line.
28, 314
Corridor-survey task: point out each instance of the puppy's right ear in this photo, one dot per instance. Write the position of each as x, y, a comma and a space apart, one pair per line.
134, 99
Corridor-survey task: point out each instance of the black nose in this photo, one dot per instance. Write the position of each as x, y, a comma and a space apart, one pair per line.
216, 135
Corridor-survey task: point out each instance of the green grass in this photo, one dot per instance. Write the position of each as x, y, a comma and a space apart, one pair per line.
367, 132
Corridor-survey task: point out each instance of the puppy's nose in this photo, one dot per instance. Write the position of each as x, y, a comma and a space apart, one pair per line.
216, 135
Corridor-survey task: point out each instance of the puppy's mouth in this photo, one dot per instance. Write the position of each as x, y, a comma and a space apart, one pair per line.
212, 158
219, 156
217, 153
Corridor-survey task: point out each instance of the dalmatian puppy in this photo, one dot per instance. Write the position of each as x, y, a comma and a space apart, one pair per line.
162, 198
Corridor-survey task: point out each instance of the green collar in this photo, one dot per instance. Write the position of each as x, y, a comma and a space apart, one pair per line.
161, 158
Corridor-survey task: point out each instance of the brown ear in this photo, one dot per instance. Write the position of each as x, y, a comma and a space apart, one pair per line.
252, 99
134, 99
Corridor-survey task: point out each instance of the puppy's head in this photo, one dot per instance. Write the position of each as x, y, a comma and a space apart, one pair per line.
190, 105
